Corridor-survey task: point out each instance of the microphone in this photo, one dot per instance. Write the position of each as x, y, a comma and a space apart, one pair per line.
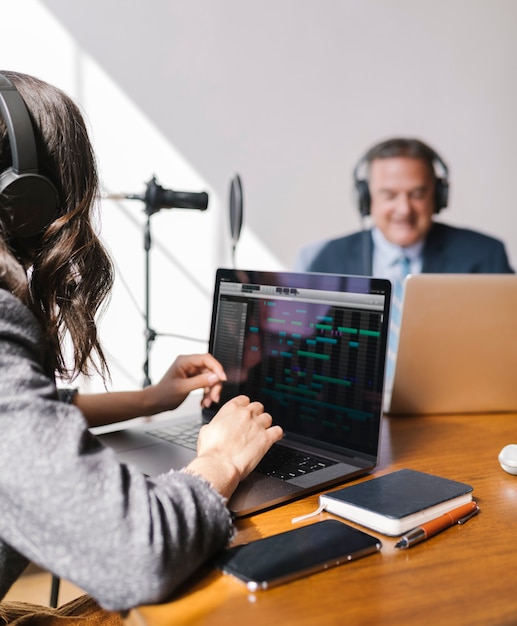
156, 198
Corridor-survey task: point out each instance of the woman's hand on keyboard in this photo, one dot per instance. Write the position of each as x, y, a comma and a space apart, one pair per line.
232, 444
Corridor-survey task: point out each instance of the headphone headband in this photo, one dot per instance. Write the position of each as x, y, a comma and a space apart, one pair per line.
28, 201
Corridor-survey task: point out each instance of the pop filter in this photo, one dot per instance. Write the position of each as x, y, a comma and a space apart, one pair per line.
236, 203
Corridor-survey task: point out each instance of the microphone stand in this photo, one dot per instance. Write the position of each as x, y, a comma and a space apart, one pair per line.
149, 333
156, 198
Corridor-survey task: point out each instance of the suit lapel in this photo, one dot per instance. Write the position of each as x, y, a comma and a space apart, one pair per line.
361, 257
434, 255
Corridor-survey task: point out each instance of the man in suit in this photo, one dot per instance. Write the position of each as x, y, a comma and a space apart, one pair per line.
402, 193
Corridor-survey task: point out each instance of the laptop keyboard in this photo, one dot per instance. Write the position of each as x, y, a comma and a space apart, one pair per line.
183, 434
279, 462
285, 463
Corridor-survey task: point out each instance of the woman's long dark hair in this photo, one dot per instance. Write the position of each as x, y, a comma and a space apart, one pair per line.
64, 274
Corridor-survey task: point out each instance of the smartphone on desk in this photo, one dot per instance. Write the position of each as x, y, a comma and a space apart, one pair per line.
295, 553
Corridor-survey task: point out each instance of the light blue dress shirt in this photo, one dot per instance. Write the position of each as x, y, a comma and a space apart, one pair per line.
386, 256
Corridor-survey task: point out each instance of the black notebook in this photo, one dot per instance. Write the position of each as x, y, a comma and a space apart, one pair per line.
397, 502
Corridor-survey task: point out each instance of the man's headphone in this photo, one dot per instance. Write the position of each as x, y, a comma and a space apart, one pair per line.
418, 150
28, 201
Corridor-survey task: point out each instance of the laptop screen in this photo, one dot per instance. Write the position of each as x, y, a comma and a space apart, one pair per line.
310, 347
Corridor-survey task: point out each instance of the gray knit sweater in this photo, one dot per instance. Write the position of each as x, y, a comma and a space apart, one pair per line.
69, 506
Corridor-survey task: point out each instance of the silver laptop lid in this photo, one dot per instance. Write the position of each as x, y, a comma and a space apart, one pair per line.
457, 349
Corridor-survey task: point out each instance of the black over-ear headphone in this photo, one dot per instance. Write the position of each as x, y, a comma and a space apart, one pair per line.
441, 186
28, 201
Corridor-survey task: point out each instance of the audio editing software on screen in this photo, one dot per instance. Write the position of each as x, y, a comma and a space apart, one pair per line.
311, 357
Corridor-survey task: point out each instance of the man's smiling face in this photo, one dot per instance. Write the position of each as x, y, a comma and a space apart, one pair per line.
402, 191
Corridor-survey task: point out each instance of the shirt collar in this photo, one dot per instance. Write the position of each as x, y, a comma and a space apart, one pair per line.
391, 252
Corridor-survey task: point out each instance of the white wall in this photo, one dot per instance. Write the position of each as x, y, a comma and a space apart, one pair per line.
289, 93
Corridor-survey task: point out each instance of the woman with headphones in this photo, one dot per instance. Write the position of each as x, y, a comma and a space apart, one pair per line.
66, 503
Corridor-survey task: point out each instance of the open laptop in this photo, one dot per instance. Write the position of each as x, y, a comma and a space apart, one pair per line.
457, 350
311, 348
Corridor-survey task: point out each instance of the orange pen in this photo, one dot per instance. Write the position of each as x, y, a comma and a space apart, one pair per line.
429, 529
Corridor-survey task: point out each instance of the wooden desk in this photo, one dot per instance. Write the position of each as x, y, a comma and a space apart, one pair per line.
465, 575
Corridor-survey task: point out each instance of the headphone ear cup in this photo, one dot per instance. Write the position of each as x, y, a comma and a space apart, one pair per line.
363, 196
441, 194
28, 202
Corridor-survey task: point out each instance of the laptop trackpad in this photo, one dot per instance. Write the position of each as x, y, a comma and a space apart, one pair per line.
257, 489
157, 458
129, 439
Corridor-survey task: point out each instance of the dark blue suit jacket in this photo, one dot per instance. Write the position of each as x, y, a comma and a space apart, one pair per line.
447, 250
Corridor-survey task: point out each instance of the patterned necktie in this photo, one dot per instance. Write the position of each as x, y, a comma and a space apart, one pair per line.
403, 266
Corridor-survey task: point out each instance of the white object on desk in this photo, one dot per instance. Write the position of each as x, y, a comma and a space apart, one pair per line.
508, 458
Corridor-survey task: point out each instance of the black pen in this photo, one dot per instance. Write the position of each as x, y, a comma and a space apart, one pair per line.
457, 516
